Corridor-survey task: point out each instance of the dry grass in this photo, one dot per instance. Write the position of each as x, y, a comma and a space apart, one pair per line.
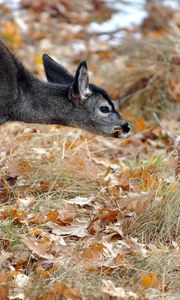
53, 165
142, 74
161, 221
60, 174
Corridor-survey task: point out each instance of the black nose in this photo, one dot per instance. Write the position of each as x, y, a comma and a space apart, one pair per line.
125, 127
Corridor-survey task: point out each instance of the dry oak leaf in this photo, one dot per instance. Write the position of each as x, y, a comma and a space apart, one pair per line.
81, 201
105, 217
78, 229
63, 218
121, 180
174, 88
137, 202
37, 218
138, 249
39, 247
103, 255
150, 281
93, 252
62, 291
20, 167
11, 33
15, 213
119, 292
4, 284
4, 256
46, 272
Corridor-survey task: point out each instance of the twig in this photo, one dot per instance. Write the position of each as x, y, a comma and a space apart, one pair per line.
172, 138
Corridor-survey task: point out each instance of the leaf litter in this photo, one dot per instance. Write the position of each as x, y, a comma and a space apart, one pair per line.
86, 217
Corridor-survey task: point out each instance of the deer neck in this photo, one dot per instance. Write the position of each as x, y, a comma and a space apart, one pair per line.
41, 102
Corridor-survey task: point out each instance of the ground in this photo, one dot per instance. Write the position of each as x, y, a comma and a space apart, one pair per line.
84, 216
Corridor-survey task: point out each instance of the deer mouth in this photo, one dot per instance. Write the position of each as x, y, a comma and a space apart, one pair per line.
119, 133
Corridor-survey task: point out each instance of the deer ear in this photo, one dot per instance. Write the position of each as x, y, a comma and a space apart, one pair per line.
80, 88
55, 72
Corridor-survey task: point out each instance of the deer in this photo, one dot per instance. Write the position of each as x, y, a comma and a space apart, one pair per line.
63, 99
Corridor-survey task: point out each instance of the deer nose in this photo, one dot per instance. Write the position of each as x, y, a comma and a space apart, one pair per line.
125, 126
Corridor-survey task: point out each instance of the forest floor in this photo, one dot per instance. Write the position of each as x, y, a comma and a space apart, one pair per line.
85, 216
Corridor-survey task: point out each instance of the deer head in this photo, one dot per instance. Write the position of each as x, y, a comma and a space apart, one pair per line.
92, 108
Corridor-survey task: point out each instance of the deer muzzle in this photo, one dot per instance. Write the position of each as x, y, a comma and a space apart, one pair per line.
121, 130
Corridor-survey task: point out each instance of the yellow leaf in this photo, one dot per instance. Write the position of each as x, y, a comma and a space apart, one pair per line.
38, 59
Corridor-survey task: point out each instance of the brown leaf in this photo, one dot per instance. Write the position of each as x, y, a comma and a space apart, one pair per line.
93, 252
117, 292
60, 290
4, 285
174, 88
105, 217
38, 219
4, 256
137, 202
15, 213
39, 247
20, 168
78, 229
45, 273
61, 218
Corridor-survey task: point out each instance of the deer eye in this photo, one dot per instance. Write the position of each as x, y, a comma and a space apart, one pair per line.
104, 109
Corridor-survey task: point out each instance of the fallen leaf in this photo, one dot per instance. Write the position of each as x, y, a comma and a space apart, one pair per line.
174, 88
39, 247
37, 218
78, 229
119, 292
63, 218
137, 202
82, 200
4, 256
4, 284
60, 290
110, 289
104, 218
20, 167
140, 125
21, 281
150, 281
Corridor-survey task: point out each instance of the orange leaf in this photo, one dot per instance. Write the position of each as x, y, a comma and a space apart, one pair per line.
140, 125
61, 290
41, 272
150, 281
13, 212
10, 32
104, 218
64, 218
94, 251
4, 285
